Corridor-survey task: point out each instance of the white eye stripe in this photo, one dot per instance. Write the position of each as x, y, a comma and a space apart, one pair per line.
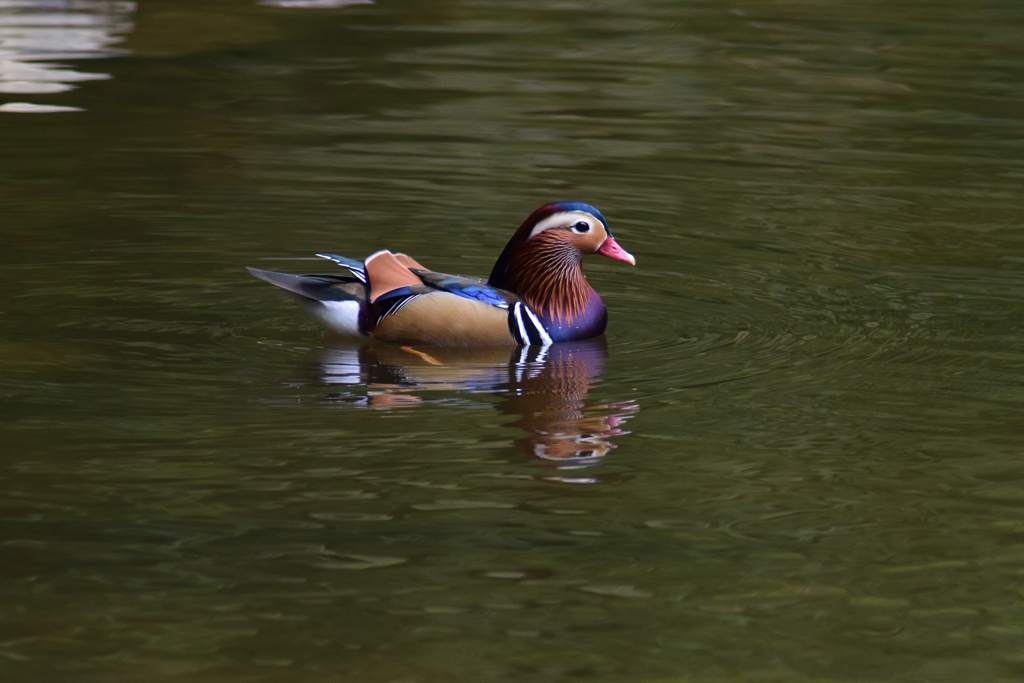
565, 219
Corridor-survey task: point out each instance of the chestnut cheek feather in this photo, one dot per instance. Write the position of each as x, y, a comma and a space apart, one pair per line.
611, 249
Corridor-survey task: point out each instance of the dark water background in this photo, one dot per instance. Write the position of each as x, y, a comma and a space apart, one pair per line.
812, 378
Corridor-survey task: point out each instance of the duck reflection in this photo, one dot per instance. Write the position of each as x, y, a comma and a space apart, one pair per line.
544, 388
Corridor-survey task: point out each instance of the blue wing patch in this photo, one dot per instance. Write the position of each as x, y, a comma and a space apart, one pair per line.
397, 294
475, 292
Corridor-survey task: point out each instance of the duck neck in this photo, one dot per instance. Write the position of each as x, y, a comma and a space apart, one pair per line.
547, 274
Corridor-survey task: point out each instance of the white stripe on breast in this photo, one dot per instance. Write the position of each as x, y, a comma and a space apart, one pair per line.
517, 310
544, 336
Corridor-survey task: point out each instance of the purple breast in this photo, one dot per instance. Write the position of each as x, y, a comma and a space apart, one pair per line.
590, 324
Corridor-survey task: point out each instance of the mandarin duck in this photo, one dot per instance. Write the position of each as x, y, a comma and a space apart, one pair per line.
536, 294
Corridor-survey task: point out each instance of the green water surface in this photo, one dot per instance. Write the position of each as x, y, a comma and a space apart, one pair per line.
798, 454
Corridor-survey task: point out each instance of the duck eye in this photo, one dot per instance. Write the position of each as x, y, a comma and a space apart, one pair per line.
582, 226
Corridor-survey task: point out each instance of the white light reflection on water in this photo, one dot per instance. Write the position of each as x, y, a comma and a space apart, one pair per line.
314, 4
35, 33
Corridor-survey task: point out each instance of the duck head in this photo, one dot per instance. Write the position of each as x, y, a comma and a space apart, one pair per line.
542, 264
